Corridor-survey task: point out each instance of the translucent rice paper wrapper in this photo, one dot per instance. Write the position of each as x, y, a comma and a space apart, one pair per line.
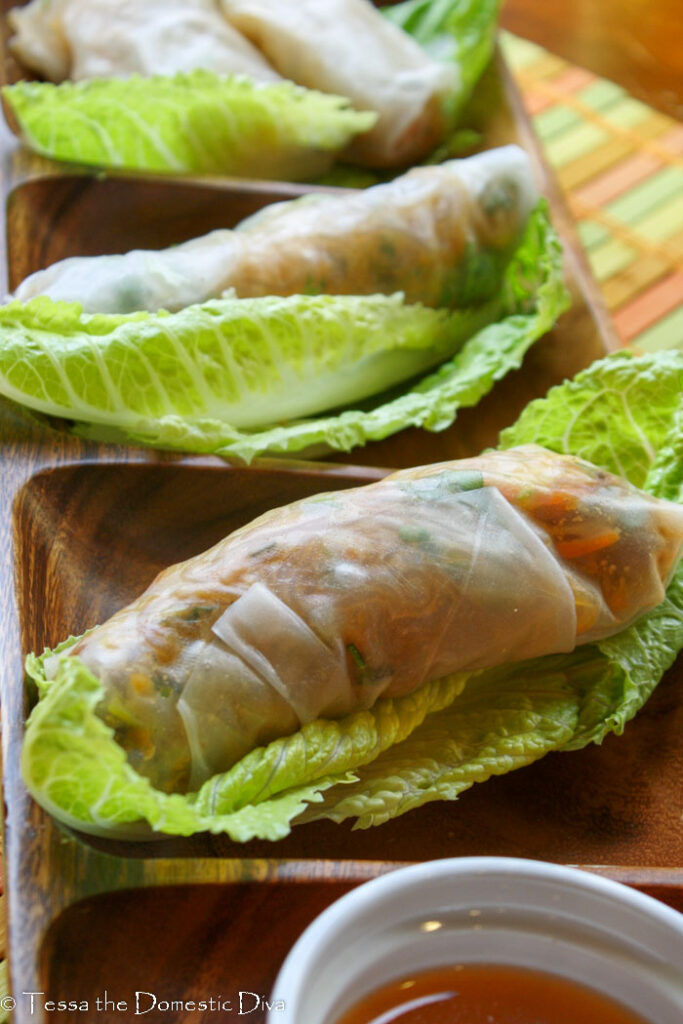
318, 609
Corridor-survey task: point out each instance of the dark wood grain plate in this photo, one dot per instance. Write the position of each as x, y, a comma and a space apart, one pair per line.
84, 527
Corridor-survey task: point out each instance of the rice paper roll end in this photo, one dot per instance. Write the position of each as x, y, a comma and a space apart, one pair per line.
86, 39
346, 47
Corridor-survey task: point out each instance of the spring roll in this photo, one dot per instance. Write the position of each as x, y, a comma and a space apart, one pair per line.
79, 39
441, 235
39, 42
319, 608
347, 47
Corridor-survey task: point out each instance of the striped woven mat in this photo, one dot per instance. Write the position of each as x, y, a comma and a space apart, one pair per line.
621, 165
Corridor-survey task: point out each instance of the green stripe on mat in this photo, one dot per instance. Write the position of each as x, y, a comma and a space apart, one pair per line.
575, 143
592, 234
641, 200
601, 95
627, 114
608, 259
554, 121
667, 333
663, 224
520, 52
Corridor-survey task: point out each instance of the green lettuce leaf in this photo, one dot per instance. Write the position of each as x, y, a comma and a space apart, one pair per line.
460, 31
622, 413
235, 376
436, 742
250, 361
75, 769
197, 122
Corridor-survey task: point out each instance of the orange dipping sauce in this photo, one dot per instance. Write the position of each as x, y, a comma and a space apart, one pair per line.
485, 994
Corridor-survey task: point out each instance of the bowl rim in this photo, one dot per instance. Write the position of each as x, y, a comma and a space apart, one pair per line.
296, 968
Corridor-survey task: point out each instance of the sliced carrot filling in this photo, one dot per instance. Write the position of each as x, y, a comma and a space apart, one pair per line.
582, 546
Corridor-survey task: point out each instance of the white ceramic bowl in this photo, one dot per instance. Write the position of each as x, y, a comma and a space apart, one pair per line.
491, 910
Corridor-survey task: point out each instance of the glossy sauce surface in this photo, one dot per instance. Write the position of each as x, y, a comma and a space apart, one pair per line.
486, 994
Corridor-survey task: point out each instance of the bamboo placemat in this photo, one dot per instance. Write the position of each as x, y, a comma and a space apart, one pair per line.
621, 165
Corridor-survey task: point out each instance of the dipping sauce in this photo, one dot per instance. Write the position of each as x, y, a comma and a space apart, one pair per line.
485, 994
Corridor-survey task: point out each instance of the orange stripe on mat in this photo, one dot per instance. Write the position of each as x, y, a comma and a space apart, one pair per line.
644, 136
536, 103
586, 167
634, 279
572, 80
673, 140
619, 179
644, 311
627, 235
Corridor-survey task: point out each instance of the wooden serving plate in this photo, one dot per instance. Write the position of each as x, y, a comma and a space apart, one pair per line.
83, 528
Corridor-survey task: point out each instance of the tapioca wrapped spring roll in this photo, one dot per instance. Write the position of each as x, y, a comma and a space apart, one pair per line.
347, 47
319, 608
79, 39
441, 235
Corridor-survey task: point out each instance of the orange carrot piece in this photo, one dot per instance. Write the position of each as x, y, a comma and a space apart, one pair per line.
549, 502
142, 684
141, 740
586, 545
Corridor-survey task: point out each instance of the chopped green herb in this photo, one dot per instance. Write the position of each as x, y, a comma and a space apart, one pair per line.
387, 248
272, 546
413, 534
162, 684
356, 655
478, 275
500, 195
198, 611
367, 676
441, 485
313, 287
465, 480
